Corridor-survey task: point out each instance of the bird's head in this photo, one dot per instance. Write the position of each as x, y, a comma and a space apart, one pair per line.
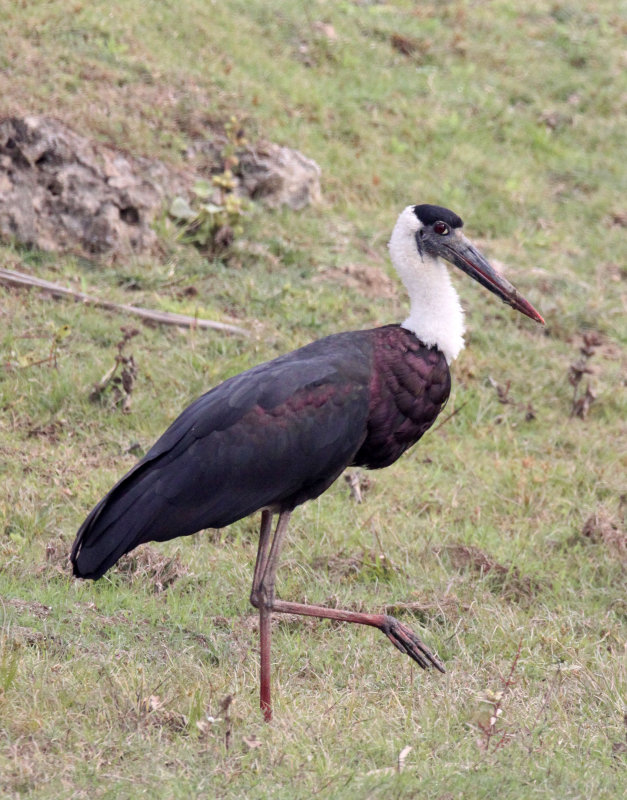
432, 232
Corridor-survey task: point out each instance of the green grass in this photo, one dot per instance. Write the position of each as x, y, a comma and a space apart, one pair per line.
510, 116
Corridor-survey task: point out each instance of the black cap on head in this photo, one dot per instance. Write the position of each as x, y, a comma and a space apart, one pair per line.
429, 214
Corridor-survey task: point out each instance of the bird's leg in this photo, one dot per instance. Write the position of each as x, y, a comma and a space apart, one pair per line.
264, 615
262, 596
401, 636
262, 555
269, 573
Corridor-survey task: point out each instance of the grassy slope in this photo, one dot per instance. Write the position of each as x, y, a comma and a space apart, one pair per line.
512, 119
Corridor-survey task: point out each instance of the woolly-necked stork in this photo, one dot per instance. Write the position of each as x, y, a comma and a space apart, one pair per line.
282, 432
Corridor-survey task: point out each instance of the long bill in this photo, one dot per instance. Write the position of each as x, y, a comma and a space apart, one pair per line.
463, 254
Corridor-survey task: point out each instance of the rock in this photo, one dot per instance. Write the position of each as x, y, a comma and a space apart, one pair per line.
62, 192
280, 176
266, 172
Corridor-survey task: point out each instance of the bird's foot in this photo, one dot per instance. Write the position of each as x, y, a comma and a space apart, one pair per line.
405, 640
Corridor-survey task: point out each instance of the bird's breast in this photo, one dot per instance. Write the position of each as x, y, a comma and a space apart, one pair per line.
410, 384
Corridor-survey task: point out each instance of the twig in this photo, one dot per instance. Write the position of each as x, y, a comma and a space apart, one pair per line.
502, 392
12, 278
547, 695
228, 728
506, 686
509, 681
490, 730
38, 363
450, 416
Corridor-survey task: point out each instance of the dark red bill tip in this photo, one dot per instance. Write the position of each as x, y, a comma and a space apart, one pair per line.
526, 308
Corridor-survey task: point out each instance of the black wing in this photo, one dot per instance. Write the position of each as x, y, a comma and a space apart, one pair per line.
276, 435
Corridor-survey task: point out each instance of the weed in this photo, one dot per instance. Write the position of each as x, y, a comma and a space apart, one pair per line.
32, 359
214, 220
120, 387
581, 402
492, 727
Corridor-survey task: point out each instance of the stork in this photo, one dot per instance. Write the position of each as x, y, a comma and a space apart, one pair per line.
280, 433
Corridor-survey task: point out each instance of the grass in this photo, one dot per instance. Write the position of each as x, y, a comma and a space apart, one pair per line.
510, 117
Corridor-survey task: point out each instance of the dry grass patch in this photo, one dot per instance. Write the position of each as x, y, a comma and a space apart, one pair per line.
32, 607
504, 579
365, 565
603, 528
369, 280
447, 609
149, 565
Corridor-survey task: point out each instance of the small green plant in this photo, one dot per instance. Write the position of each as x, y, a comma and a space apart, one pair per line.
33, 358
214, 218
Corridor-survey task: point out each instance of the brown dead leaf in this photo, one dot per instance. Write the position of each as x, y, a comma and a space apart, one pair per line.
591, 340
581, 405
577, 370
403, 44
56, 551
530, 413
57, 556
619, 749
225, 706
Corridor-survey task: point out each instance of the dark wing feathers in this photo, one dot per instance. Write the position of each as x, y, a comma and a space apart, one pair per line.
275, 435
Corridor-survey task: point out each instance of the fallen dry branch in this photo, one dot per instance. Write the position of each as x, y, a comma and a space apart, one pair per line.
12, 278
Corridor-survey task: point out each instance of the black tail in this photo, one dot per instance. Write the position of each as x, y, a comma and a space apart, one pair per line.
159, 499
123, 519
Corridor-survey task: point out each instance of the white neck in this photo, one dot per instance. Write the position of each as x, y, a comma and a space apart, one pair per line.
436, 316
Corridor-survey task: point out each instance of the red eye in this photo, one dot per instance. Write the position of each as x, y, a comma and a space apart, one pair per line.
441, 228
